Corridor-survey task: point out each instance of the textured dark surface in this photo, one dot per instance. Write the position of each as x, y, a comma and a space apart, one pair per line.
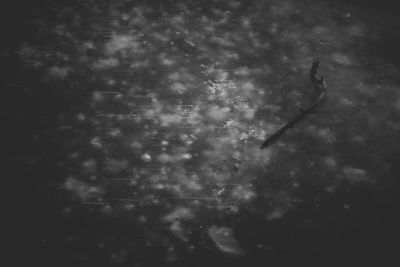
134, 130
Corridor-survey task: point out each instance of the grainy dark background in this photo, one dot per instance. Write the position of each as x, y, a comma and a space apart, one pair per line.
355, 223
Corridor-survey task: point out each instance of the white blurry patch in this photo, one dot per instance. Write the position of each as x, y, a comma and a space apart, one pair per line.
125, 17
167, 62
276, 213
325, 134
247, 111
230, 123
224, 240
164, 143
174, 76
122, 42
341, 59
58, 72
178, 87
222, 41
140, 64
274, 28
80, 117
160, 37
96, 142
177, 230
180, 213
330, 162
345, 101
192, 184
243, 71
106, 209
106, 63
146, 157
89, 166
136, 145
222, 87
242, 193
115, 132
26, 51
81, 189
356, 30
257, 132
218, 113
177, 157
165, 158
110, 81
88, 45
97, 97
168, 119
355, 175
248, 86
186, 156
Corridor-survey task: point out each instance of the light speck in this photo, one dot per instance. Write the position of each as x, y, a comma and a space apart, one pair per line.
178, 87
146, 157
341, 59
96, 142
224, 240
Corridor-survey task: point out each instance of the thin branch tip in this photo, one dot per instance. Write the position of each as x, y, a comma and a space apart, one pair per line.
320, 86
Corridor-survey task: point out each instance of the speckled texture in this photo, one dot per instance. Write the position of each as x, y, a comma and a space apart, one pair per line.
147, 118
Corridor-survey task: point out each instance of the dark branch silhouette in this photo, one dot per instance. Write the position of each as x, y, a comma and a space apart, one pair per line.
320, 87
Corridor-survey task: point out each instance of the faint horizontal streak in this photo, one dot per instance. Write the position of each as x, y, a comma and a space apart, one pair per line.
119, 115
221, 206
195, 198
187, 106
129, 199
109, 92
108, 128
227, 184
149, 201
106, 35
141, 108
160, 245
93, 203
166, 138
151, 169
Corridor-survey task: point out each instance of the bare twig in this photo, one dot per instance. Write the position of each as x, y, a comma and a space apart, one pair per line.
320, 87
